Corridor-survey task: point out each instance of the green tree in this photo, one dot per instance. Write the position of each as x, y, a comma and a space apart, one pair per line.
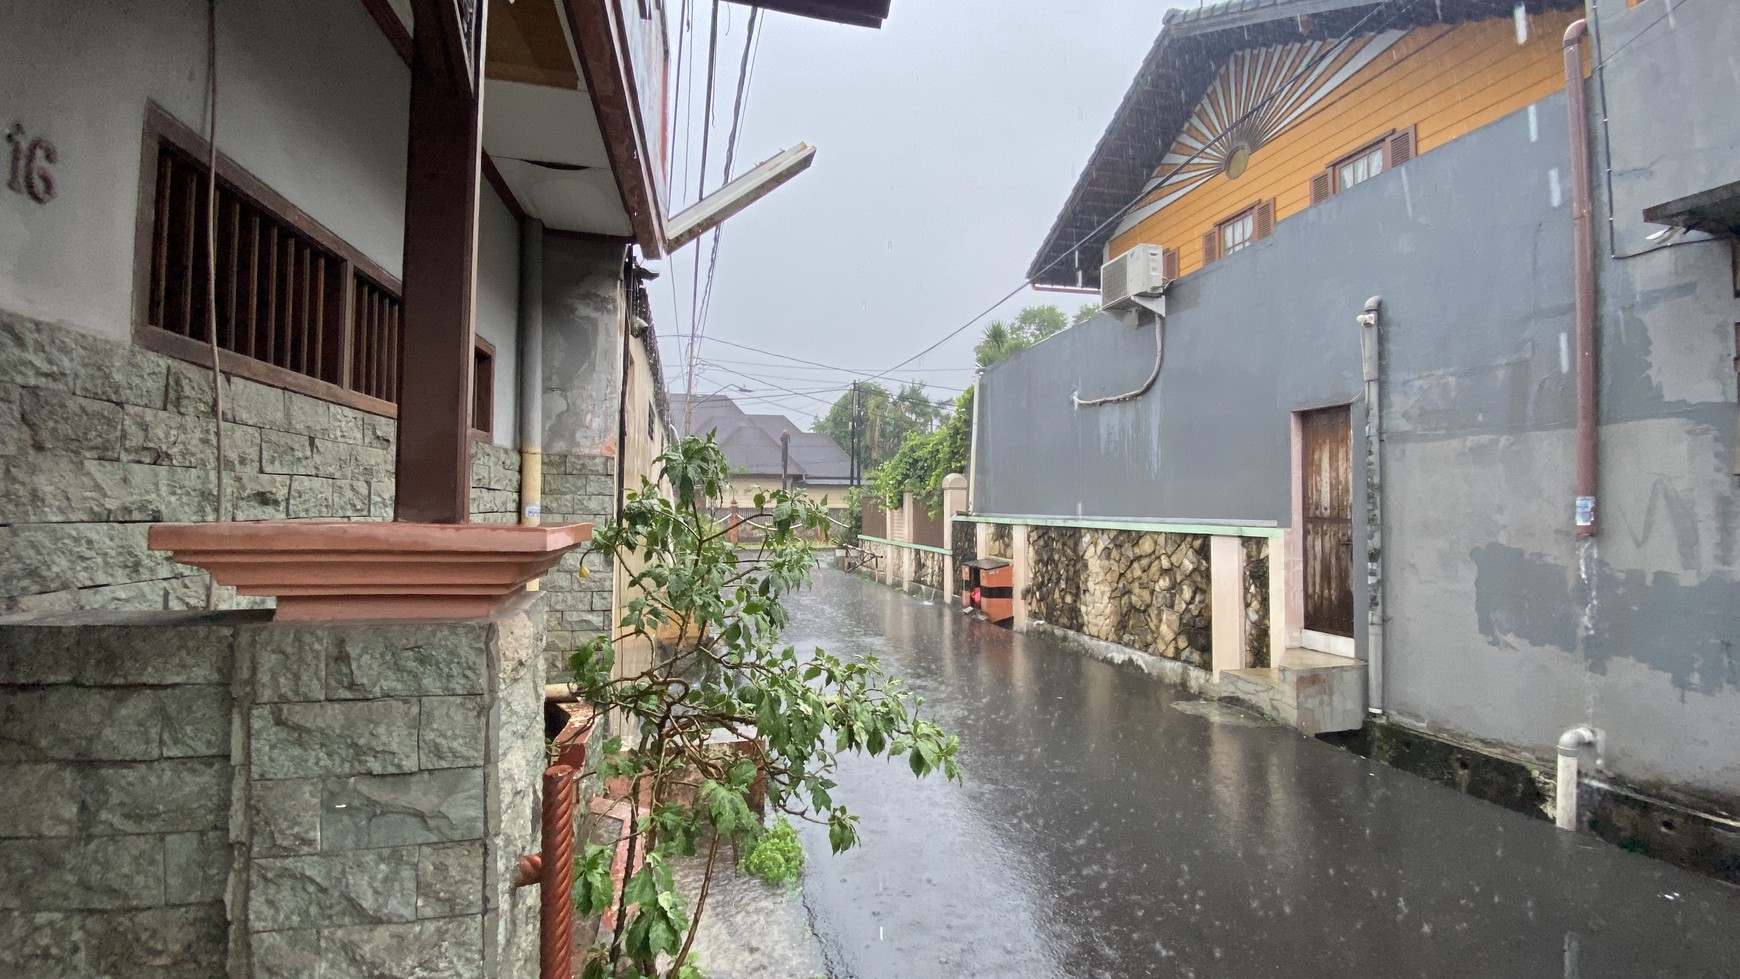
1087, 312
1033, 324
885, 420
714, 614
924, 460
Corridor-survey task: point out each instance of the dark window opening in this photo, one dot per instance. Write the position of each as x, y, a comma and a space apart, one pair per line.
483, 386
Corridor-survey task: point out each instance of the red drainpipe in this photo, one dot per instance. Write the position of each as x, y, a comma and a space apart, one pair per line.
1583, 244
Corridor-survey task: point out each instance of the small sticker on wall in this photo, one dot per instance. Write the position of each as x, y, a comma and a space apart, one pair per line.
534, 510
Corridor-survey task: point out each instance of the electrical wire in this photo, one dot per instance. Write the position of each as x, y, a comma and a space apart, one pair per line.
1600, 73
701, 191
211, 325
1120, 212
730, 156
677, 88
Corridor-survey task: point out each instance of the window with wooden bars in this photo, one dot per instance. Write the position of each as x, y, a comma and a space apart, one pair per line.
295, 306
1344, 173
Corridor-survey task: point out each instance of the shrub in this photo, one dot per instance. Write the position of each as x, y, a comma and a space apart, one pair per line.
777, 857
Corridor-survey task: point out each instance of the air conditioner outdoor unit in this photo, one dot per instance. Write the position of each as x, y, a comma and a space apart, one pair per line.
1134, 280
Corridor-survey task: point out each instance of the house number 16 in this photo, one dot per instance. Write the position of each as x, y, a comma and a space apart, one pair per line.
30, 162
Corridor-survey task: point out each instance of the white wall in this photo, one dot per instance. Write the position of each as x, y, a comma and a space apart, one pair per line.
498, 303
312, 100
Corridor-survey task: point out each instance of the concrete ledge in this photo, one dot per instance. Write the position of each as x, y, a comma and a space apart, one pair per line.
1179, 674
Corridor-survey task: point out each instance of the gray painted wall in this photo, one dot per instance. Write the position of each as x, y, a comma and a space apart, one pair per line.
498, 306
312, 100
1470, 247
582, 345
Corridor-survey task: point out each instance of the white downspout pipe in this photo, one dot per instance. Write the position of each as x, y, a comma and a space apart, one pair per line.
973, 441
530, 345
1371, 362
1571, 745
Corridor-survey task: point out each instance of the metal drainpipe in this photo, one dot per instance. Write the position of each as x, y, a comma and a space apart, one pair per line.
1571, 745
1371, 358
973, 441
1583, 242
531, 377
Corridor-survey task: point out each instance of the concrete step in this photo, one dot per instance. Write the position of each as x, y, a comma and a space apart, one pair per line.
1312, 691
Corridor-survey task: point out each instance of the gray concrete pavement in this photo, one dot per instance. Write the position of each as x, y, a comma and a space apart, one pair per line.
1113, 826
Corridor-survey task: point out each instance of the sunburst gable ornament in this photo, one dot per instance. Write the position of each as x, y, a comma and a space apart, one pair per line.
1256, 97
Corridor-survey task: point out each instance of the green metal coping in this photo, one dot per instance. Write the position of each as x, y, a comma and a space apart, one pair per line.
1107, 523
900, 543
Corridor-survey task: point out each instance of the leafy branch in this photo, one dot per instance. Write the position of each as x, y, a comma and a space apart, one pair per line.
707, 616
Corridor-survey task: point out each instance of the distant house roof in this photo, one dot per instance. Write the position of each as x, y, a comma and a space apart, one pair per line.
1192, 46
751, 442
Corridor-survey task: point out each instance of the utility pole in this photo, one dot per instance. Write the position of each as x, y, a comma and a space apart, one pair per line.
854, 472
785, 462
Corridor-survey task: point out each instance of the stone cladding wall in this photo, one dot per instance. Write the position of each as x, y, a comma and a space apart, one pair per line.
1059, 564
1001, 544
98, 440
1257, 601
294, 799
578, 488
927, 569
1146, 591
114, 844
495, 483
965, 546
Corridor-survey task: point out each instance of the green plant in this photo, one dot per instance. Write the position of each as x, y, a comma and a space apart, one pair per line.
924, 460
777, 857
712, 613
848, 530
1000, 340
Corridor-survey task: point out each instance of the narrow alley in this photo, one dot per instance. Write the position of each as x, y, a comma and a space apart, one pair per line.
1110, 825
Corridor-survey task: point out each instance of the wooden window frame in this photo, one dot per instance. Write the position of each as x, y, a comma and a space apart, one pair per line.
1220, 229
161, 127
1389, 142
1335, 165
1262, 215
482, 388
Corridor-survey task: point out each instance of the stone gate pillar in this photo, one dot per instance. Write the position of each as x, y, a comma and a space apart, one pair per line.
1021, 559
954, 493
297, 798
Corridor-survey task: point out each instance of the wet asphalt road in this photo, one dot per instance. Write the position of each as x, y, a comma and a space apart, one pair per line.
1111, 825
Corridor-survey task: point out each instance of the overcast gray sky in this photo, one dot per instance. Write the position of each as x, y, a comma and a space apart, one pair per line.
946, 144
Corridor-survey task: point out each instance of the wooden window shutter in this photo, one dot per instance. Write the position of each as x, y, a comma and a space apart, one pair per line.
1211, 246
1399, 148
1264, 225
1322, 185
1169, 263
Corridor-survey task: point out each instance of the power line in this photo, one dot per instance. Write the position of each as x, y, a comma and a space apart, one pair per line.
811, 393
730, 156
1120, 212
802, 367
817, 364
701, 192
809, 379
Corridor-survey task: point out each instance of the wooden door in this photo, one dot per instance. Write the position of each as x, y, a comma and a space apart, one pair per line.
1327, 495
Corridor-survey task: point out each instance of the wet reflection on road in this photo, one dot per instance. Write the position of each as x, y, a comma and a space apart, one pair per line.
1113, 826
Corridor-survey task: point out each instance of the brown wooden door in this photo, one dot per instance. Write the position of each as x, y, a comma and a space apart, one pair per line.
1327, 494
